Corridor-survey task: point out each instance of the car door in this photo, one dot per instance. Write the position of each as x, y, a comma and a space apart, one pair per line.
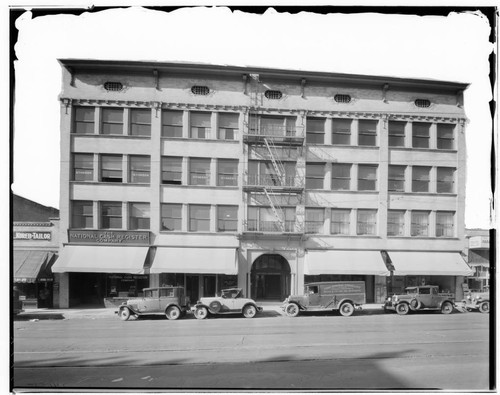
150, 301
425, 297
166, 296
312, 292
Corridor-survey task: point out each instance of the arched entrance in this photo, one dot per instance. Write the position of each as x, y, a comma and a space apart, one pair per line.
270, 278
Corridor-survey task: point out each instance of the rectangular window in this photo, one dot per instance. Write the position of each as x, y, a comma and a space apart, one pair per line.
171, 123
420, 223
227, 172
228, 126
341, 176
200, 125
315, 174
140, 122
397, 134
367, 135
171, 170
445, 136
139, 216
315, 131
395, 223
341, 131
367, 222
341, 222
421, 134
445, 224
396, 178
139, 169
111, 168
84, 120
82, 215
227, 218
367, 178
315, 220
263, 219
111, 215
420, 179
445, 179
112, 121
199, 171
171, 217
199, 218
83, 167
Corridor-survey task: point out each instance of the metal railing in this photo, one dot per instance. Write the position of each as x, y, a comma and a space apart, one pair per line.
252, 225
275, 131
270, 180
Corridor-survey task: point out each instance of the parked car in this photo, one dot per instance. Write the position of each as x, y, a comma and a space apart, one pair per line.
425, 297
477, 301
229, 302
345, 296
170, 301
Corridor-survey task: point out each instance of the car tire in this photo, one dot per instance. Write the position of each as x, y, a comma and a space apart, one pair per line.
346, 309
173, 312
402, 309
415, 304
446, 308
249, 311
124, 313
201, 313
215, 306
484, 307
292, 310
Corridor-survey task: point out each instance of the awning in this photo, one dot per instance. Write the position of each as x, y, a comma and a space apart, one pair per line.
31, 265
101, 259
345, 262
429, 263
195, 260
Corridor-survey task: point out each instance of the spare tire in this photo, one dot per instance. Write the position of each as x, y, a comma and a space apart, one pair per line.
215, 306
415, 304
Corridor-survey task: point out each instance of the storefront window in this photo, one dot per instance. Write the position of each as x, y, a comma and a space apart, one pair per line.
125, 285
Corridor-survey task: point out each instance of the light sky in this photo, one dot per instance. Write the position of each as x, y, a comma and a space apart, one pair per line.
452, 48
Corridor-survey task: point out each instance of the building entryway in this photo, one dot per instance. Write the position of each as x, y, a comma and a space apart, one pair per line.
270, 278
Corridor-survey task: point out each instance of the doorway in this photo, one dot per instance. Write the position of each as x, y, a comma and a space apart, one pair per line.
270, 278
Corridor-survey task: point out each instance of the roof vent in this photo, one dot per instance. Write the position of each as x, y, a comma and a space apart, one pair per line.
341, 98
113, 86
273, 95
200, 90
422, 103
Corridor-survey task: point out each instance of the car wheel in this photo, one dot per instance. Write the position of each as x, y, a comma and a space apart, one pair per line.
484, 307
124, 314
415, 304
447, 308
402, 309
201, 313
249, 311
347, 309
215, 306
292, 310
173, 312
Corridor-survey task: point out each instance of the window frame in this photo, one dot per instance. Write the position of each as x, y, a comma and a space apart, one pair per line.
194, 127
131, 169
176, 220
340, 178
230, 176
88, 124
419, 229
171, 126
392, 224
341, 133
222, 221
314, 226
315, 177
82, 168
392, 179
342, 225
441, 139
135, 219
366, 179
441, 228
414, 180
367, 133
82, 215
222, 130
112, 124
139, 125
203, 220
312, 133
369, 225
440, 182
395, 134
110, 204
419, 127
103, 169
195, 172
165, 170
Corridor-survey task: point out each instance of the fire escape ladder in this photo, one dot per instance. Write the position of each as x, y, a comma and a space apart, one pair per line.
277, 211
277, 164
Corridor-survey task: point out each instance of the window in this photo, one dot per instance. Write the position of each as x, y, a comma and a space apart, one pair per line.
341, 131
139, 216
84, 120
171, 123
200, 90
445, 224
228, 126
200, 125
396, 178
140, 122
341, 98
395, 223
139, 169
445, 136
397, 134
421, 135
111, 168
341, 176
82, 215
111, 86
112, 121
367, 222
422, 103
420, 179
171, 170
83, 167
341, 222
227, 172
315, 174
199, 218
315, 219
367, 178
367, 135
445, 180
315, 128
420, 223
199, 171
263, 219
171, 217
273, 94
227, 218
111, 215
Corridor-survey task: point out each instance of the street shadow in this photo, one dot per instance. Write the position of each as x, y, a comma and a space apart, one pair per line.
37, 316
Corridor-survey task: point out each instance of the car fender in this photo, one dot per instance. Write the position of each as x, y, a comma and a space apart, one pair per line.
342, 301
173, 304
250, 304
445, 301
202, 305
126, 306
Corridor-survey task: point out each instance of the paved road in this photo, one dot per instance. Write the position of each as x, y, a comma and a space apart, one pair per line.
365, 351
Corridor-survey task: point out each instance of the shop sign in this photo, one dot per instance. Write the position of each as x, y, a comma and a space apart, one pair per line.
108, 237
479, 242
44, 236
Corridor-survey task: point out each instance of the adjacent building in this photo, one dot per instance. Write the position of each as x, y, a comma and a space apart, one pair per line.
212, 176
478, 257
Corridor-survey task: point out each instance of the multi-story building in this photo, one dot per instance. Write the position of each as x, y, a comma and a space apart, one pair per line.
213, 176
478, 256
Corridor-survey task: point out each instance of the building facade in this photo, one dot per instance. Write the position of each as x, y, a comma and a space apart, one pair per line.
478, 257
214, 176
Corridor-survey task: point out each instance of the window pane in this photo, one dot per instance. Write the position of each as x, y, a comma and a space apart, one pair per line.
199, 218
111, 215
112, 121
445, 180
227, 220
396, 134
83, 167
199, 171
367, 178
367, 222
140, 122
82, 215
396, 182
341, 177
315, 220
139, 216
367, 133
341, 132
171, 123
111, 168
340, 222
420, 179
227, 120
171, 217
315, 131
395, 223
420, 223
171, 171
140, 169
445, 136
227, 172
84, 120
200, 119
315, 175
421, 134
445, 224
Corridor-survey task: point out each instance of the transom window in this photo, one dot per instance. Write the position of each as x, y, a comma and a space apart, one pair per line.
84, 120
420, 179
227, 172
445, 178
140, 122
227, 218
111, 168
83, 167
341, 220
397, 134
273, 94
111, 215
423, 103
420, 223
139, 216
341, 131
228, 126
445, 136
200, 90
367, 222
139, 169
342, 98
199, 218
421, 134
445, 224
171, 170
171, 123
367, 133
113, 86
315, 175
341, 176
82, 214
199, 171
171, 217
112, 121
200, 125
367, 177
396, 180
315, 131
395, 223
315, 219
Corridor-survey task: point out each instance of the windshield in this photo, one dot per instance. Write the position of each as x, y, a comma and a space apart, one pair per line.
411, 291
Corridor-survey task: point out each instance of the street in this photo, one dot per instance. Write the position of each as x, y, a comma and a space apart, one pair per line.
427, 350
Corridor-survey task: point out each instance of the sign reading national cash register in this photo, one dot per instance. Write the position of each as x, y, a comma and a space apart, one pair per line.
107, 237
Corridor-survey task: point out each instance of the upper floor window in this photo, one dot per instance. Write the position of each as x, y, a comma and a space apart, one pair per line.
315, 175
111, 215
341, 131
445, 136
139, 216
340, 223
111, 168
139, 169
445, 224
200, 90
315, 219
275, 126
420, 179
199, 171
367, 222
227, 172
263, 219
171, 123
421, 134
445, 178
341, 176
397, 134
367, 135
112, 121
395, 223
228, 126
200, 125
422, 103
84, 120
199, 218
113, 86
82, 216
315, 131
367, 177
171, 170
273, 94
83, 167
171, 217
396, 179
140, 122
342, 98
227, 218
420, 223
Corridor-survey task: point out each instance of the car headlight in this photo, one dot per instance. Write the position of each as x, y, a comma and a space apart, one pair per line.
395, 298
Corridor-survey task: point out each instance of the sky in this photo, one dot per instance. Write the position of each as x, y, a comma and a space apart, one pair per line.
452, 48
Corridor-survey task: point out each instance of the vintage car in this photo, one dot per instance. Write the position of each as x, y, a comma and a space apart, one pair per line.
477, 301
345, 296
170, 301
425, 297
230, 301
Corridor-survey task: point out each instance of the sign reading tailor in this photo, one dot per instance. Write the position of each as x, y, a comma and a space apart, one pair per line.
108, 237
44, 236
